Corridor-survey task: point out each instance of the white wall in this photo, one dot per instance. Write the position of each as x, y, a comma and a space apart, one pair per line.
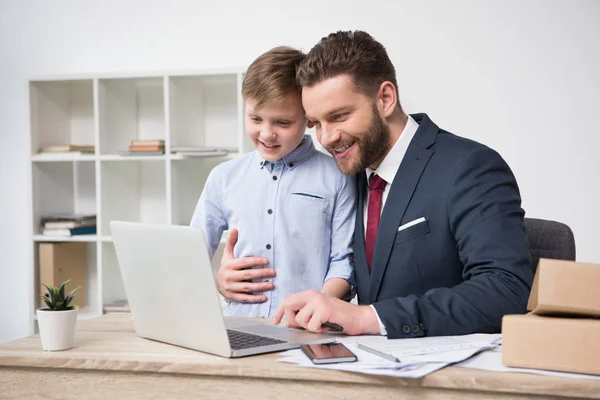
520, 76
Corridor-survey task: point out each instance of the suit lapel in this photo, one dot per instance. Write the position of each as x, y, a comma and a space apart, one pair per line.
360, 261
405, 182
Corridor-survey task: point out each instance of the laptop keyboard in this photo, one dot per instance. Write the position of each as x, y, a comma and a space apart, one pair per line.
243, 340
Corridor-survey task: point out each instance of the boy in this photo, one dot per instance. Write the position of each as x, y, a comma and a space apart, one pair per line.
287, 201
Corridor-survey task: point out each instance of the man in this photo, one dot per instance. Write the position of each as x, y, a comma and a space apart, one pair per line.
439, 245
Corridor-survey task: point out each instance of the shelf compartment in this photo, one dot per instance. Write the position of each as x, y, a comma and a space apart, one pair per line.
188, 177
204, 111
61, 112
113, 290
92, 306
133, 191
130, 108
63, 188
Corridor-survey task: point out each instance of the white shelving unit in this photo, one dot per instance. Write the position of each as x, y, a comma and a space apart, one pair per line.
201, 108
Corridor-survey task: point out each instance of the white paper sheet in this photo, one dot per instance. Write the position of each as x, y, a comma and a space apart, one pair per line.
429, 349
491, 360
367, 363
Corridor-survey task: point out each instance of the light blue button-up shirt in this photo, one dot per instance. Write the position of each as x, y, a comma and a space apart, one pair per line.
298, 212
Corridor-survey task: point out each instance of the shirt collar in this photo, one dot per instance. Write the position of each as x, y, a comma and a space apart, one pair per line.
390, 164
303, 152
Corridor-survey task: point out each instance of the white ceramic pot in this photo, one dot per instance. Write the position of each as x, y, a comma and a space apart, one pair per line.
57, 328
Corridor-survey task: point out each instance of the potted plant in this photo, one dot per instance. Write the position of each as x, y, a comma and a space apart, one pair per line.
57, 320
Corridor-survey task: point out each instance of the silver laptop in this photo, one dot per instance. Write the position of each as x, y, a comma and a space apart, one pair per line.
173, 297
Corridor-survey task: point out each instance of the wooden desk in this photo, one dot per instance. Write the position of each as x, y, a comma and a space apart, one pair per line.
110, 362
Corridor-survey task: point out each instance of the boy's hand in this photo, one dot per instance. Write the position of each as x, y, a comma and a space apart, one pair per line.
235, 275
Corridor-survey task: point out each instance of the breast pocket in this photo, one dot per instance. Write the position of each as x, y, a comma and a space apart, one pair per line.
308, 214
412, 232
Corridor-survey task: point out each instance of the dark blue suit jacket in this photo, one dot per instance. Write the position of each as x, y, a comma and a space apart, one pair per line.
468, 264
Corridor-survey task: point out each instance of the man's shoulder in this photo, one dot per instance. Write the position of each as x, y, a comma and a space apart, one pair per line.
455, 152
452, 142
450, 145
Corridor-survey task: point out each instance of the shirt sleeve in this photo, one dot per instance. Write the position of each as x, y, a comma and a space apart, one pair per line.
381, 326
209, 214
341, 258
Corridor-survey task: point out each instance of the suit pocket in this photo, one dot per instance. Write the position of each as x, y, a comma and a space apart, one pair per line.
412, 232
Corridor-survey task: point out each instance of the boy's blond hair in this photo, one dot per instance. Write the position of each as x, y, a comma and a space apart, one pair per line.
272, 76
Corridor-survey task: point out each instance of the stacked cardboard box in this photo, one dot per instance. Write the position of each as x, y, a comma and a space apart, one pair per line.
562, 332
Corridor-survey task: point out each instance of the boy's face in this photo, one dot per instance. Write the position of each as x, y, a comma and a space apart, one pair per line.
276, 129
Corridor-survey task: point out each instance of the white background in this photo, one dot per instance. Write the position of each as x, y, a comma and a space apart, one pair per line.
520, 76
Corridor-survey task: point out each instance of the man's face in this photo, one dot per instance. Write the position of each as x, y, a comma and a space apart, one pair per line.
347, 124
275, 129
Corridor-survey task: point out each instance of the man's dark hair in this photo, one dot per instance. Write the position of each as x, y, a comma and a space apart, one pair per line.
354, 53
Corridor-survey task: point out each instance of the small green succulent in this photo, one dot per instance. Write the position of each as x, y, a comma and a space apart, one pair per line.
55, 297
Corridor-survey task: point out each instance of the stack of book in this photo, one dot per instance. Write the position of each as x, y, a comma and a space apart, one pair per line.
146, 147
65, 225
201, 151
72, 149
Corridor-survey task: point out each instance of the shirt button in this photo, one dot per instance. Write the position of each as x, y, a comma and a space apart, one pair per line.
268, 247
406, 329
262, 162
274, 178
270, 211
291, 165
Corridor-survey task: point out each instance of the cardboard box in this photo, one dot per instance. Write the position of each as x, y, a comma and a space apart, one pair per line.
565, 288
551, 343
62, 261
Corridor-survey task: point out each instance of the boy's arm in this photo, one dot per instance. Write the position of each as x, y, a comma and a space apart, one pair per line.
336, 287
341, 264
209, 215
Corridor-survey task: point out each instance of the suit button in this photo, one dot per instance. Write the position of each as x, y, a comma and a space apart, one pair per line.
415, 328
423, 327
406, 329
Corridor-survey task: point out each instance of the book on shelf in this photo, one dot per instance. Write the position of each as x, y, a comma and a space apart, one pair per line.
66, 155
202, 150
68, 217
68, 224
202, 153
147, 142
67, 148
133, 148
67, 232
141, 153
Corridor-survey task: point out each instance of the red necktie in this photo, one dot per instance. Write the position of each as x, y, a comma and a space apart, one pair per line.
376, 186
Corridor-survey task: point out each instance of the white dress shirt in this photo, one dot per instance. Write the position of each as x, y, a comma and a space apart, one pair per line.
387, 170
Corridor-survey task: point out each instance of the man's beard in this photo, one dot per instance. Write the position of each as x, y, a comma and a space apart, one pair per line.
371, 146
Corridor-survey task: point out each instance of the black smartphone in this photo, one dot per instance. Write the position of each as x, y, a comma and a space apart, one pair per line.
328, 353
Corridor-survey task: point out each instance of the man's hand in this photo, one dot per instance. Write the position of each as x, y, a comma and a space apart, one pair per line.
235, 275
310, 309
